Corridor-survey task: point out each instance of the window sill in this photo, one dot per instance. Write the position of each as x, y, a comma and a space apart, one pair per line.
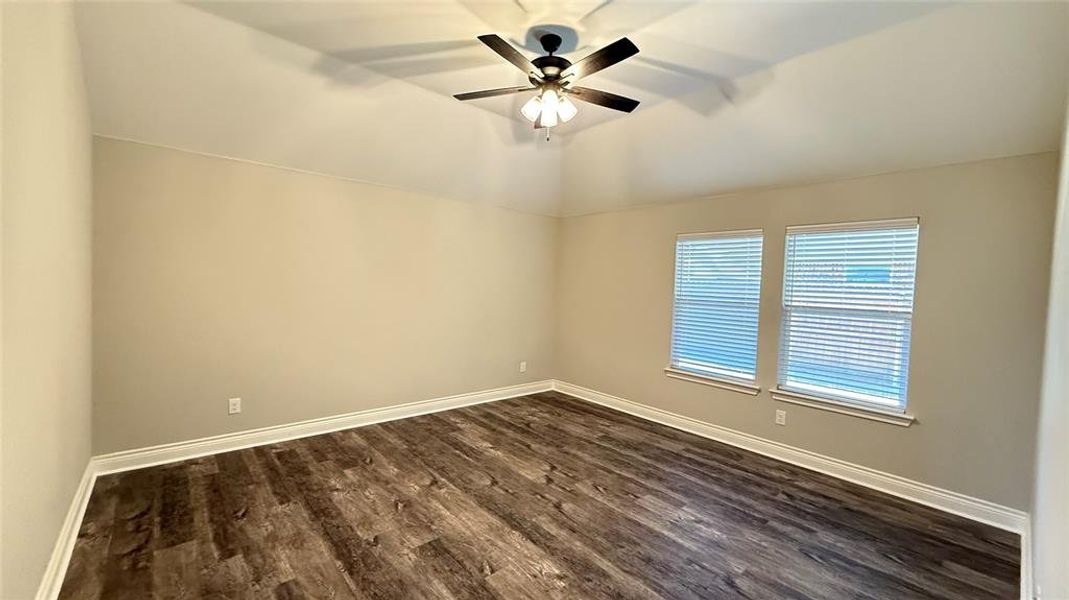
844, 408
725, 384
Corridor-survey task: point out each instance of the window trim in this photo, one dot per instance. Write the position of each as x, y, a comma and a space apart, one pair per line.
897, 223
698, 235
829, 402
710, 380
873, 413
723, 382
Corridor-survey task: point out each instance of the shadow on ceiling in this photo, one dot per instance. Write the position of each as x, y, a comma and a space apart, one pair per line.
701, 74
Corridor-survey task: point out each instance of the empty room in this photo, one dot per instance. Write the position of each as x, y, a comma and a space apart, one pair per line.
525, 299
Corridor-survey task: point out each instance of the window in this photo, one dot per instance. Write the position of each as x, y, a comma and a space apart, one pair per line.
717, 292
847, 312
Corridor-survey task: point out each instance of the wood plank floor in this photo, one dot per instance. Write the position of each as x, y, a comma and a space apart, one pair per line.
537, 497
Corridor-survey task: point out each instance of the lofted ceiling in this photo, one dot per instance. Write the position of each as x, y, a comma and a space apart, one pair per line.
734, 95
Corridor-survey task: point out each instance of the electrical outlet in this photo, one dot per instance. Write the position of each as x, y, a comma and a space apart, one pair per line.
781, 417
234, 406
523, 366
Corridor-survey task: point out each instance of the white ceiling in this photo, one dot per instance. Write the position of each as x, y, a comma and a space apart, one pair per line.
734, 95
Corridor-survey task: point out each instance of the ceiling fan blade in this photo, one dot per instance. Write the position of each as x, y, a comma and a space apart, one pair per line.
608, 56
508, 52
606, 99
493, 92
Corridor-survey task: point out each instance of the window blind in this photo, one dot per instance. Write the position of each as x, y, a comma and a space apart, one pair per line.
717, 292
848, 310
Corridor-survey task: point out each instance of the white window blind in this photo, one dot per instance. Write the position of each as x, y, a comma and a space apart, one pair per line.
717, 292
847, 311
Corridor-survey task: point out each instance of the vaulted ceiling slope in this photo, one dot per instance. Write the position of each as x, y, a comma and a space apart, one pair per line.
171, 74
955, 84
734, 95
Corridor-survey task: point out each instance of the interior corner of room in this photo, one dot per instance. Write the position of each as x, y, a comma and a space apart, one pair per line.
782, 311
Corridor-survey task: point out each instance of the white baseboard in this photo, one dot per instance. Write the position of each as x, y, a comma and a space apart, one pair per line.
157, 455
1009, 519
139, 458
68, 534
1028, 582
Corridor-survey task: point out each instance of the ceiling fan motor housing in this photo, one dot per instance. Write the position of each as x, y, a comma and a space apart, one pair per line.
551, 66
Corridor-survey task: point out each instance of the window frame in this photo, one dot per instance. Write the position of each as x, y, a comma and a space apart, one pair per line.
673, 370
841, 403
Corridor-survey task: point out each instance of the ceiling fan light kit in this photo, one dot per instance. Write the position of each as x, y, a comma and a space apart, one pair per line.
553, 78
549, 108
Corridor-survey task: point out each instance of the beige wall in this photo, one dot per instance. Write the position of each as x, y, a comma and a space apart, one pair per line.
45, 435
310, 296
977, 334
1050, 511
306, 296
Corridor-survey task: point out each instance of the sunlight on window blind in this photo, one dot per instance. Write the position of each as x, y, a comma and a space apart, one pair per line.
717, 292
847, 311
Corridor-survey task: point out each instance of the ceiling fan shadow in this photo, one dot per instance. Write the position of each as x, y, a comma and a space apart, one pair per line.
402, 51
707, 73
716, 91
415, 67
359, 66
735, 93
340, 73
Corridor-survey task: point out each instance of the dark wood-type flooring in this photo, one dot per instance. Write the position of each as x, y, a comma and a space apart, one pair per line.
537, 497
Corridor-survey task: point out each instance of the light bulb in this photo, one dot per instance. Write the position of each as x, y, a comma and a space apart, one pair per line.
531, 109
566, 110
550, 103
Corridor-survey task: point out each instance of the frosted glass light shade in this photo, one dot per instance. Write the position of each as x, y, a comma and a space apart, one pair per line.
550, 103
531, 109
566, 110
552, 106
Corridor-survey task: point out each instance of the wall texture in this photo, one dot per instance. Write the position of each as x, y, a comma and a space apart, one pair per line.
46, 315
306, 296
978, 322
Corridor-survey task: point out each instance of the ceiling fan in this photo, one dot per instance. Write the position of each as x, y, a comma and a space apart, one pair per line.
554, 77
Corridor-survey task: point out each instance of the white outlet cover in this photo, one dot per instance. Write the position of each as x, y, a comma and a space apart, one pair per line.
234, 406
523, 366
781, 417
